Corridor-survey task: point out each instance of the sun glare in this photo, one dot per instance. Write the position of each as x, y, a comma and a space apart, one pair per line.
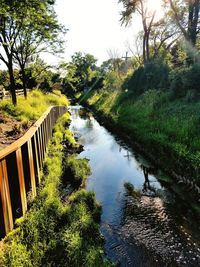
156, 5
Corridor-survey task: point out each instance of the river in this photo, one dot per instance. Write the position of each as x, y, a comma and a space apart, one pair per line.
153, 226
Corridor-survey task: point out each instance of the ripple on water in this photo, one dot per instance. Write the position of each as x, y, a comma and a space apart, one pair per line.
148, 225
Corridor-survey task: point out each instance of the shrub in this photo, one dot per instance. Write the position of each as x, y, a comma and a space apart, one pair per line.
153, 75
76, 170
185, 79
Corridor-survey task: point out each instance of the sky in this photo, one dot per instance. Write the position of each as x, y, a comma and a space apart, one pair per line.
94, 27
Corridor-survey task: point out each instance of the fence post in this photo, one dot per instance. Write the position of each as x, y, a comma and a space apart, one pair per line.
38, 147
36, 156
21, 180
42, 139
5, 199
31, 168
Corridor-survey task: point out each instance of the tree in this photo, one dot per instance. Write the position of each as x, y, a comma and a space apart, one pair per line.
8, 31
139, 6
41, 33
22, 24
39, 73
163, 36
115, 59
4, 78
186, 15
81, 72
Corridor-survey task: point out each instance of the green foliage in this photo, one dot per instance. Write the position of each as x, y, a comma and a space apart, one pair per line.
84, 216
82, 73
18, 249
69, 137
153, 75
33, 107
4, 78
77, 169
112, 81
185, 79
40, 75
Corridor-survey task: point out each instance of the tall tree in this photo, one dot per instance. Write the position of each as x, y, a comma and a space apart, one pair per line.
21, 22
163, 36
41, 32
139, 6
9, 20
186, 15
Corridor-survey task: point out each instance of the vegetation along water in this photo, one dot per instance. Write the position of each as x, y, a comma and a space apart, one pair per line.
143, 164
146, 218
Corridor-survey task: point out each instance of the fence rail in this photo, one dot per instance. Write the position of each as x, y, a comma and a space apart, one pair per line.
6, 94
20, 165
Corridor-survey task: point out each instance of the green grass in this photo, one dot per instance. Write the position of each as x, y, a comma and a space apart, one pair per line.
35, 105
79, 169
57, 231
168, 128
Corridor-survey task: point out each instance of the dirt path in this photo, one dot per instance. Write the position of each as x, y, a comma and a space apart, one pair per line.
11, 130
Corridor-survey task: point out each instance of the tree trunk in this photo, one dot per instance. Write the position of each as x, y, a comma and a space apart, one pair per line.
144, 48
147, 47
193, 18
193, 34
12, 82
24, 82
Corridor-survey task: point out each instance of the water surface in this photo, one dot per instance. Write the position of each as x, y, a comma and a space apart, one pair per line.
154, 227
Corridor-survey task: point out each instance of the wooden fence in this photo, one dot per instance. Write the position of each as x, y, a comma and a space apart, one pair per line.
6, 94
20, 165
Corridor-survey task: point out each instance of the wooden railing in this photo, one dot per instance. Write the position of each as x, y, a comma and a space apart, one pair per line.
6, 94
20, 165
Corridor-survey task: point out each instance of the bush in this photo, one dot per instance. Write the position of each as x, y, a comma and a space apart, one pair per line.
185, 79
76, 170
153, 75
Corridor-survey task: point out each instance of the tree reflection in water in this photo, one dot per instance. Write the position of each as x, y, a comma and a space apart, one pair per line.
147, 186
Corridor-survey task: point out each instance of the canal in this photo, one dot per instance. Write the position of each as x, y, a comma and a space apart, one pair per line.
150, 224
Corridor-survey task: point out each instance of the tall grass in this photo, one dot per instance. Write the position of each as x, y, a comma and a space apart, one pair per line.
32, 107
168, 128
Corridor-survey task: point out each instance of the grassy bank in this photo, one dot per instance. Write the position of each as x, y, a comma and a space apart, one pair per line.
167, 128
61, 227
15, 121
32, 107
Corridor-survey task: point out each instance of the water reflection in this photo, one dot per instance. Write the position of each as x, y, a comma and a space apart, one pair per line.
153, 227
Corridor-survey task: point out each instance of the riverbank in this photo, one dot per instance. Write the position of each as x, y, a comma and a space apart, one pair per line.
161, 129
15, 121
151, 224
62, 226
